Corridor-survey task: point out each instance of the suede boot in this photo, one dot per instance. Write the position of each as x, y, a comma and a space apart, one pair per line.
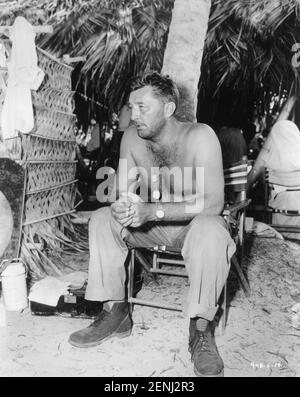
204, 352
109, 324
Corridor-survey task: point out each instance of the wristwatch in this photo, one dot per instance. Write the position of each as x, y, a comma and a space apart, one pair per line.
160, 213
156, 194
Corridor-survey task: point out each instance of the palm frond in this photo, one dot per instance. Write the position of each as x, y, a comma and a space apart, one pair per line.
247, 48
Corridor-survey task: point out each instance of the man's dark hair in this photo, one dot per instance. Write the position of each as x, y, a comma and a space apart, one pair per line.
163, 86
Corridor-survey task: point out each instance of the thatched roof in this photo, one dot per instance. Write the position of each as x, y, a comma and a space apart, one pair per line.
248, 53
248, 47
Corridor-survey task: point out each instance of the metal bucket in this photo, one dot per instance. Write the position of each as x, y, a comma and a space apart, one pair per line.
14, 289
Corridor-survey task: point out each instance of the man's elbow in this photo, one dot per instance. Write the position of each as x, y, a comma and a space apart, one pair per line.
216, 206
219, 206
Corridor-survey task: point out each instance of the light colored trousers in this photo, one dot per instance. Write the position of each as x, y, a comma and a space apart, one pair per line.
205, 244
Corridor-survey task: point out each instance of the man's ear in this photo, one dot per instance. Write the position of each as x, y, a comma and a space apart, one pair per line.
169, 108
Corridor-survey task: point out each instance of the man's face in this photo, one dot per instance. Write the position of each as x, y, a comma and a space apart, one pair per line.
147, 112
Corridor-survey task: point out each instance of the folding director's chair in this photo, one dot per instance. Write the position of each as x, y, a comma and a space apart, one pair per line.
234, 213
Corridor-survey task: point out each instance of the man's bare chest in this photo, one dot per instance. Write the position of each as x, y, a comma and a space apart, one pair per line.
164, 157
166, 169
167, 156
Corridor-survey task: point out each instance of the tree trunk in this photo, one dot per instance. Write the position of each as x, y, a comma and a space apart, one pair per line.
183, 55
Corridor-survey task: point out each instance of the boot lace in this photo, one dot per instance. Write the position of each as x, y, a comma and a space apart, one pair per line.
199, 343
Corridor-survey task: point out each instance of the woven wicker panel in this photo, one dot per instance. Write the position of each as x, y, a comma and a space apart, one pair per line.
54, 99
48, 153
14, 148
49, 202
57, 74
35, 148
47, 175
54, 124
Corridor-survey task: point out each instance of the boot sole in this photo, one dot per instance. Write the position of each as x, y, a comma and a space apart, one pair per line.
220, 375
115, 334
96, 343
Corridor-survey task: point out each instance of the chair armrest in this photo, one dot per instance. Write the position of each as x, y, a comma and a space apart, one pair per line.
236, 207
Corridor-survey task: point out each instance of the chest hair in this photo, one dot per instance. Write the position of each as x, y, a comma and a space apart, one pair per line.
164, 156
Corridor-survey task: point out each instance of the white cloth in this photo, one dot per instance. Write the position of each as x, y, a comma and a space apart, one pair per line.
281, 154
23, 76
281, 150
48, 290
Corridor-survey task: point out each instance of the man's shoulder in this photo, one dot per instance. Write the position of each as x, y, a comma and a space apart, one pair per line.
130, 136
201, 132
203, 143
130, 133
131, 142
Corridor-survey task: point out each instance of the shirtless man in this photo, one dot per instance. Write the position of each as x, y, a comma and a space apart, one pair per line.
158, 141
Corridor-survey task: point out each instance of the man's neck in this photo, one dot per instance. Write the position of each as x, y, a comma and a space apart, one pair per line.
168, 134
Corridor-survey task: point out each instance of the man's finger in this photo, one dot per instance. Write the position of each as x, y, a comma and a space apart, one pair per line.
119, 210
124, 221
135, 222
129, 212
128, 223
124, 214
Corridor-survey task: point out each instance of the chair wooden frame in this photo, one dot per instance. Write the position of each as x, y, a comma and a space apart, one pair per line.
235, 179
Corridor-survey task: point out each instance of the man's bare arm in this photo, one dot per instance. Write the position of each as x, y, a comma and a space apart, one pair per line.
126, 163
122, 210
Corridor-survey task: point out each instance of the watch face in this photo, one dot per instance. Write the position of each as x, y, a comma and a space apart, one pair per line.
156, 194
160, 213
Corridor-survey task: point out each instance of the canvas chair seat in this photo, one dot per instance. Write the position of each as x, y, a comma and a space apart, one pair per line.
234, 214
282, 197
289, 180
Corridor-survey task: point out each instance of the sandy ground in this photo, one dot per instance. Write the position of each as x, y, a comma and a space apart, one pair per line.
259, 340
